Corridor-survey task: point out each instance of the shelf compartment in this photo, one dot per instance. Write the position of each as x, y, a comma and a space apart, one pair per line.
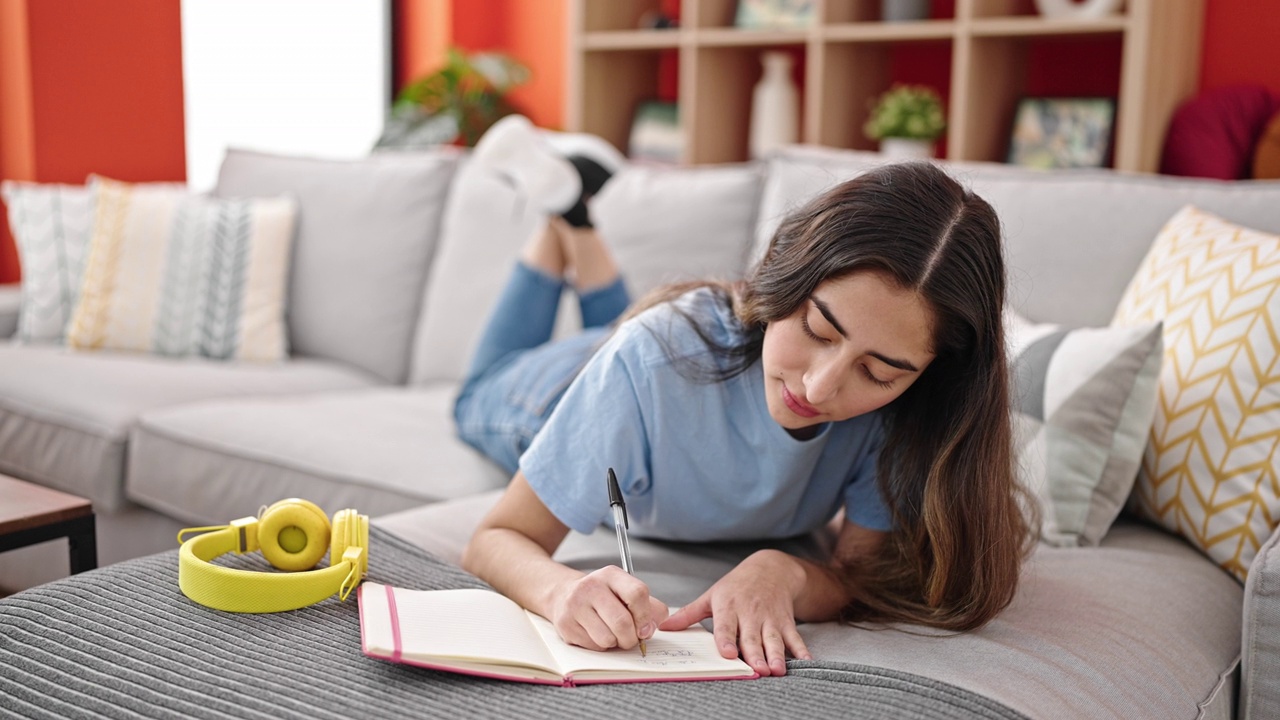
719, 121
621, 15
627, 78
856, 73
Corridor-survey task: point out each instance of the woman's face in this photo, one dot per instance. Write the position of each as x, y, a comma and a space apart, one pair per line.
855, 345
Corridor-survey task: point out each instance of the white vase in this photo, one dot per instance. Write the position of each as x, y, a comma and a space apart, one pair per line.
775, 107
906, 148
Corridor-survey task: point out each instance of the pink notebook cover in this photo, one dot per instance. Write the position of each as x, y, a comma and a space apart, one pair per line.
568, 681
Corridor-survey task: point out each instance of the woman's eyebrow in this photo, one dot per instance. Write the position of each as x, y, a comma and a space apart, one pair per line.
826, 313
892, 362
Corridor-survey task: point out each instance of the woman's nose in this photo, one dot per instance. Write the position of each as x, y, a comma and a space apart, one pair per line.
822, 382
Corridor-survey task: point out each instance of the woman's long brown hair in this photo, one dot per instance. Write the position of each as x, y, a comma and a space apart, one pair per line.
946, 471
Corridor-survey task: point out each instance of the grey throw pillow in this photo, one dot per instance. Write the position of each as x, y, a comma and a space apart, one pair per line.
1084, 402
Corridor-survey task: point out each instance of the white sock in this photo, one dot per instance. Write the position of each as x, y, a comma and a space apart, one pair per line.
513, 148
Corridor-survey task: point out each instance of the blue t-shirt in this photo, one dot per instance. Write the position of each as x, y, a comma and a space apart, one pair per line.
697, 461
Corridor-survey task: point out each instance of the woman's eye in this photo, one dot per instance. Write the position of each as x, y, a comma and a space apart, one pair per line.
886, 384
808, 330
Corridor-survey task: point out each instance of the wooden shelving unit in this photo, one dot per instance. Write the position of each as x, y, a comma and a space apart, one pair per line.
847, 58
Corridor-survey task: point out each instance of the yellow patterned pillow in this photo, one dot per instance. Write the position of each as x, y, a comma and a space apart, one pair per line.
1210, 469
178, 274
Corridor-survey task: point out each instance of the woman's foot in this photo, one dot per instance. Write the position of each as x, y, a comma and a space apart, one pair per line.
558, 176
513, 149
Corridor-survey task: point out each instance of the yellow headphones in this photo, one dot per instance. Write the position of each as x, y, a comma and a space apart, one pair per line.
293, 535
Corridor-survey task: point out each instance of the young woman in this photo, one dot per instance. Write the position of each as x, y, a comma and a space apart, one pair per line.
860, 366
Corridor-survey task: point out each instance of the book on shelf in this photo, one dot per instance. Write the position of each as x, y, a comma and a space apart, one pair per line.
482, 632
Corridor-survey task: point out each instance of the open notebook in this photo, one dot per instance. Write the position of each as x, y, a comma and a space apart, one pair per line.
481, 632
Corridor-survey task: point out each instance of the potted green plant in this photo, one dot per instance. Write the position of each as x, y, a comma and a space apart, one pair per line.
456, 103
907, 120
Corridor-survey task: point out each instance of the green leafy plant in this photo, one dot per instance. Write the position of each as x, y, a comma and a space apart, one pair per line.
457, 102
906, 111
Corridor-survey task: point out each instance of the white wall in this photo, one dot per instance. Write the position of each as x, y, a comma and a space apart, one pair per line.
309, 77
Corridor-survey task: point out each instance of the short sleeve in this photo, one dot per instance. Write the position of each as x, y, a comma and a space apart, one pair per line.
864, 505
597, 425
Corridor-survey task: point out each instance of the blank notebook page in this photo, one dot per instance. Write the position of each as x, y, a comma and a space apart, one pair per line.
477, 624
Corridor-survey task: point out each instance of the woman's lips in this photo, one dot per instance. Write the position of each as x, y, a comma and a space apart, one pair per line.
796, 406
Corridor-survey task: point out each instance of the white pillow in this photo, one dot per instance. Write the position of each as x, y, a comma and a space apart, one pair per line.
177, 274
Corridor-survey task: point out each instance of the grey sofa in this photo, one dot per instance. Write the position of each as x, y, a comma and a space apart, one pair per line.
397, 260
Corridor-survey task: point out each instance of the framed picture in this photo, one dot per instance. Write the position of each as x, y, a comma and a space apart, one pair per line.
655, 133
1066, 132
774, 14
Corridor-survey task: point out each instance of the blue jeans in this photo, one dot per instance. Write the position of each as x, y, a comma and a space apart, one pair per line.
517, 373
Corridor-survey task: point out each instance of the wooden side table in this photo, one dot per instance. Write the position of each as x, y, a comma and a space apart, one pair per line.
31, 514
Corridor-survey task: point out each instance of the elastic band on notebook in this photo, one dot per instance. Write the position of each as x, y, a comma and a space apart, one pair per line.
395, 624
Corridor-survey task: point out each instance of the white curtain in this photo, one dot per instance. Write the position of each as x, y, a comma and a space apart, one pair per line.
304, 77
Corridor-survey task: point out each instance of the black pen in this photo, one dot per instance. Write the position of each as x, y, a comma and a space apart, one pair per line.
620, 525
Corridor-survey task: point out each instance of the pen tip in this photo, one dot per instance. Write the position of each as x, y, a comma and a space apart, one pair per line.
643, 651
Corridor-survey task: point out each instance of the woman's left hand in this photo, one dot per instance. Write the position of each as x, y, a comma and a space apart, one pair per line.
753, 608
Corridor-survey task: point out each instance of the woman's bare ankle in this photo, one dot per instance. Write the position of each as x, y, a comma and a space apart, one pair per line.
589, 264
545, 251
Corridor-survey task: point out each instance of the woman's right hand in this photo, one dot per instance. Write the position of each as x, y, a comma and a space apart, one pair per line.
605, 609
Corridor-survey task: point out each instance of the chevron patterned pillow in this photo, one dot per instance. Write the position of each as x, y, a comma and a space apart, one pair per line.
50, 224
1084, 399
178, 274
1211, 470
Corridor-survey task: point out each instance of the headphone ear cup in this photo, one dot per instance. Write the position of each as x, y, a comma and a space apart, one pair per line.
350, 529
293, 534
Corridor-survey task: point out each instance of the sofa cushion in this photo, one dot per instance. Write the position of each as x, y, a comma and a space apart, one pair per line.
1082, 638
1073, 239
177, 274
366, 233
1209, 471
657, 221
65, 416
51, 226
1084, 400
377, 450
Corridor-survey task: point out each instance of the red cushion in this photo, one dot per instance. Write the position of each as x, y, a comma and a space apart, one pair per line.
1213, 134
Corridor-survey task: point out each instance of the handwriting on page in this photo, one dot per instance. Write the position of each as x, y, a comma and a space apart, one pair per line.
667, 658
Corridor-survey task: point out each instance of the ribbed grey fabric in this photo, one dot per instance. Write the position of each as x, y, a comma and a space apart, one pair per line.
122, 641
1261, 654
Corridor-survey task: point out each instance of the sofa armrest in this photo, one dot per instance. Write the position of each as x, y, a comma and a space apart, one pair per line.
10, 306
1260, 646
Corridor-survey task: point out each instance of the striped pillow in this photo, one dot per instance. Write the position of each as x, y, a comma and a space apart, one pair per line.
177, 274
1084, 400
50, 225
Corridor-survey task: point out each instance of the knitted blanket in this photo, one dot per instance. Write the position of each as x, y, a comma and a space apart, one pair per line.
122, 641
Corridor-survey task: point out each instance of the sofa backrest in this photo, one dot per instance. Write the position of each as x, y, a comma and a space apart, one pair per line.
662, 224
1073, 239
367, 230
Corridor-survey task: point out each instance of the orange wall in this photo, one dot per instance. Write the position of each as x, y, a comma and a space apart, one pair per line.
534, 32
104, 91
95, 86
